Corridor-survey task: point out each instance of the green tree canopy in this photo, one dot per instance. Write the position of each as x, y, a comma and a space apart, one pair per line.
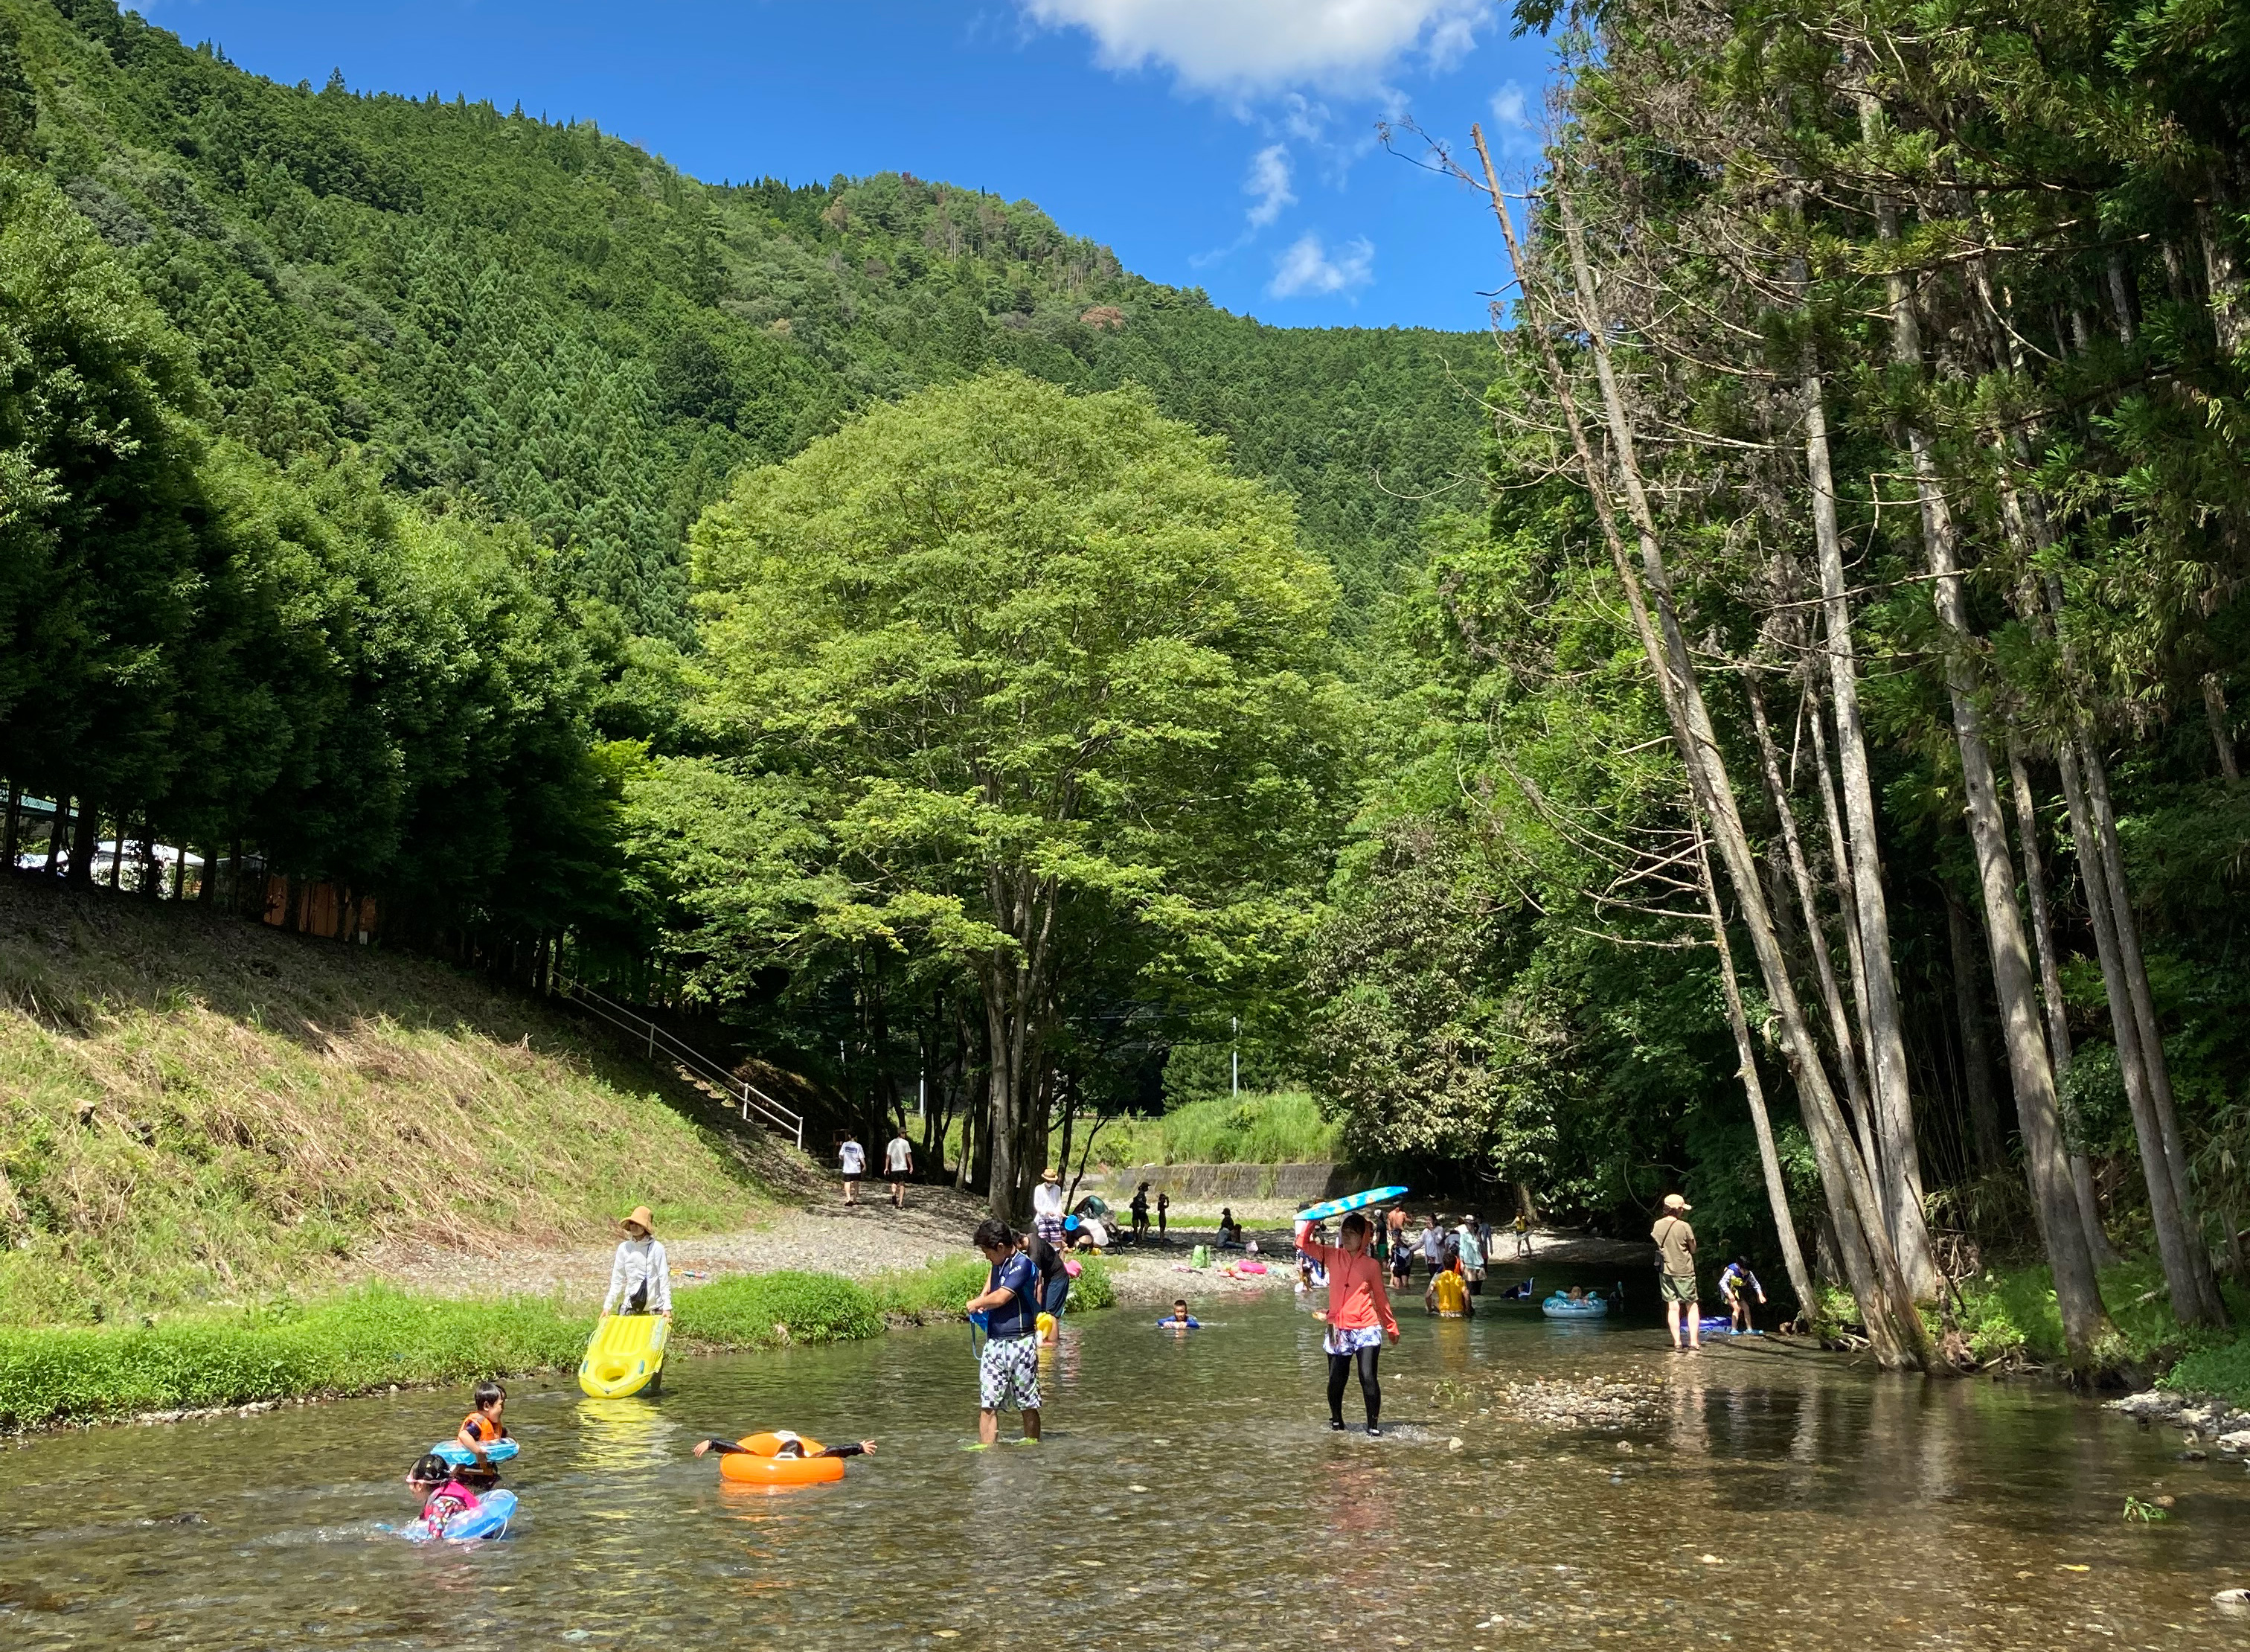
1059, 682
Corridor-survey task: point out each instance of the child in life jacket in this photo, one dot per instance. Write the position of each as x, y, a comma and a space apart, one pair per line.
482, 1428
444, 1497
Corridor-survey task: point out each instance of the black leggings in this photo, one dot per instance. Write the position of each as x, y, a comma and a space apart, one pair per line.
1370, 1390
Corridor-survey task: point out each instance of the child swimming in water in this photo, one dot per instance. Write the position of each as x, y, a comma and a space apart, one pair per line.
445, 1497
792, 1445
1181, 1319
480, 1429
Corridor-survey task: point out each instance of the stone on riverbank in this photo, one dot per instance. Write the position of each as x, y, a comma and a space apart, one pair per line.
2198, 1413
1567, 1402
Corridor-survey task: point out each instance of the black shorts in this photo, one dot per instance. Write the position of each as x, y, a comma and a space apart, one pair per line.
854, 1175
895, 1175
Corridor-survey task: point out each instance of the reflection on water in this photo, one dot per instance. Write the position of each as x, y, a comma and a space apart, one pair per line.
1189, 1495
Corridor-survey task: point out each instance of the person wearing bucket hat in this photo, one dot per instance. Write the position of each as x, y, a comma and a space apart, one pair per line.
640, 1275
1046, 1206
1675, 1245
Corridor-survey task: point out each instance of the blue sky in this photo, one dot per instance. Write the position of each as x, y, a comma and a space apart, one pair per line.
1225, 144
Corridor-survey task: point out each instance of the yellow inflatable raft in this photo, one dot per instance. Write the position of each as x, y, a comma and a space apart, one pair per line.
625, 1355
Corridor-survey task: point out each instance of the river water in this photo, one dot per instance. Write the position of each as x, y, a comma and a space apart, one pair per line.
1190, 1495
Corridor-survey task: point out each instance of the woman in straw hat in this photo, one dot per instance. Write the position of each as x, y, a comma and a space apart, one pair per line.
1046, 1206
640, 1276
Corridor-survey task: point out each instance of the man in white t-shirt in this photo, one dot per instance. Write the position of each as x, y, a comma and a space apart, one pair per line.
854, 1158
898, 1165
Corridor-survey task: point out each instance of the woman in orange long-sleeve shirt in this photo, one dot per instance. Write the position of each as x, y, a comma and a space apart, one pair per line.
1359, 1316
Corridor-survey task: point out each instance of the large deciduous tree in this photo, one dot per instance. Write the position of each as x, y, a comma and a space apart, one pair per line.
1059, 683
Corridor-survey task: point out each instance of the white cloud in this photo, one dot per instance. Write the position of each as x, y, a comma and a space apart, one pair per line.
1513, 122
1247, 45
1306, 267
1269, 182
1301, 118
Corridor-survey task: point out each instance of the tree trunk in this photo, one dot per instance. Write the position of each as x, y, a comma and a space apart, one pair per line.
1069, 1120
1017, 984
2222, 271
1901, 1181
1976, 1055
1832, 996
152, 880
2087, 1331
965, 1172
57, 831
2058, 1020
2152, 1038
2214, 711
9, 847
1895, 1331
2122, 299
2174, 1243
1777, 1191
85, 837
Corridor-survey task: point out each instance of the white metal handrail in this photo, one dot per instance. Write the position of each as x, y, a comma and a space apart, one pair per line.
748, 1096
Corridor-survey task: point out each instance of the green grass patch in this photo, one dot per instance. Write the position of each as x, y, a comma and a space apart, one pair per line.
351, 1344
369, 1340
2220, 1368
1282, 1129
2012, 1314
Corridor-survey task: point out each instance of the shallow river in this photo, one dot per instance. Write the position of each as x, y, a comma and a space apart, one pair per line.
1190, 1495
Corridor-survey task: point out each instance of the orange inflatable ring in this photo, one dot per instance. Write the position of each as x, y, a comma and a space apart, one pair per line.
755, 1464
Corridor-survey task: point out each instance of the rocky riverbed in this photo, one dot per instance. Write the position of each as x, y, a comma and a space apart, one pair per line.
2204, 1424
1607, 1402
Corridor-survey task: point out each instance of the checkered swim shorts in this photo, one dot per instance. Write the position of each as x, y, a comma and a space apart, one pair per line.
1008, 1374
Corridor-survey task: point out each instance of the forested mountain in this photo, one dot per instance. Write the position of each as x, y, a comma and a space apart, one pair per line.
500, 314
352, 443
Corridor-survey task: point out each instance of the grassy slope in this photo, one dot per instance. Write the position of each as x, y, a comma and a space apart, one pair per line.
195, 1109
1282, 1128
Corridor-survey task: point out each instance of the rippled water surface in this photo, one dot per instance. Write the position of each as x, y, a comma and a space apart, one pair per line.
1190, 1495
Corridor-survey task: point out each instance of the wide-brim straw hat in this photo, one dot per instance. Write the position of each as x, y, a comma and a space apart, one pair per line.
640, 1218
1674, 1201
1050, 1174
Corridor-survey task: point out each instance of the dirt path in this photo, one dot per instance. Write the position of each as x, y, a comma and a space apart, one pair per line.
824, 1235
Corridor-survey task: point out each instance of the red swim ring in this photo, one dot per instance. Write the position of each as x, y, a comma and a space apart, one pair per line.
756, 1464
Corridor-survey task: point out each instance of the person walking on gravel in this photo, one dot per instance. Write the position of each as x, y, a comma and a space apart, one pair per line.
1676, 1244
853, 1159
898, 1165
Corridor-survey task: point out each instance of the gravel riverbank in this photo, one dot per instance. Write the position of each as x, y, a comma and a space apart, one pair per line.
822, 1234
